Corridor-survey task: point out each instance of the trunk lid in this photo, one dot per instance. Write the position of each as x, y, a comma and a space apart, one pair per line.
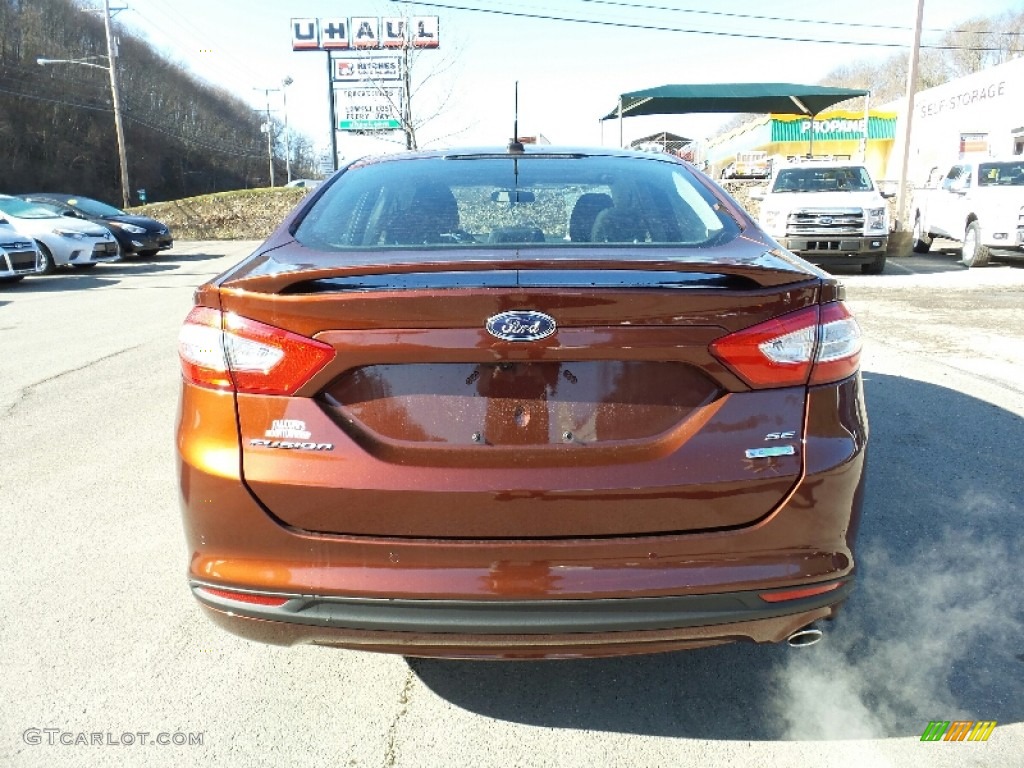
426, 425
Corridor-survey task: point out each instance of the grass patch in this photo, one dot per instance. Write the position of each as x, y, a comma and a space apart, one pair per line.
245, 214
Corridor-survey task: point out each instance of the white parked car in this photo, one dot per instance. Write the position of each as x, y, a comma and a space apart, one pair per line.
61, 240
18, 255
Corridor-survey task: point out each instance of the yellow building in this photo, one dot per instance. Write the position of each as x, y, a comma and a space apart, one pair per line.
836, 133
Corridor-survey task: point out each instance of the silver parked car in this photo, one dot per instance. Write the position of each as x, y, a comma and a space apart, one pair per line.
61, 240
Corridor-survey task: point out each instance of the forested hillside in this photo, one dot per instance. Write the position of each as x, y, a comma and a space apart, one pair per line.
183, 136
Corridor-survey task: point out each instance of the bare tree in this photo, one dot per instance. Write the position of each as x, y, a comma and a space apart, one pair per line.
886, 80
427, 79
983, 42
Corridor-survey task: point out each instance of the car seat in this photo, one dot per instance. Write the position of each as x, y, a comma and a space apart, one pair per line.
624, 221
584, 214
431, 213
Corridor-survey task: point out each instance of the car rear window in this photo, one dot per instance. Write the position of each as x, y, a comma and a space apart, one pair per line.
1010, 174
516, 201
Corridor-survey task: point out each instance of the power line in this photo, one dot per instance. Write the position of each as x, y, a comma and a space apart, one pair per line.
746, 16
194, 34
683, 30
196, 142
786, 20
36, 72
137, 120
62, 102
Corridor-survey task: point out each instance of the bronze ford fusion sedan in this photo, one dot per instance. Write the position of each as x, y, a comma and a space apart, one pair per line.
516, 404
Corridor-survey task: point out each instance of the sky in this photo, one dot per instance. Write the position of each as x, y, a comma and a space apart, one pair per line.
570, 73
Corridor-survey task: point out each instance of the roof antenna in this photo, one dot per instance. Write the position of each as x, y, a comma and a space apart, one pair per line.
516, 145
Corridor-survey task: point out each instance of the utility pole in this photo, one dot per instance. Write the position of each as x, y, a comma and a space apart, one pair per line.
115, 94
334, 113
908, 114
270, 133
287, 144
406, 98
115, 91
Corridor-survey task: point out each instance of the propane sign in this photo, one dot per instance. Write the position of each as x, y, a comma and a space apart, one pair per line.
369, 109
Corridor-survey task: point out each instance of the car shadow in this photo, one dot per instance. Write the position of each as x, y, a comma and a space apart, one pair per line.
928, 264
932, 631
951, 249
197, 256
138, 268
65, 280
173, 256
936, 261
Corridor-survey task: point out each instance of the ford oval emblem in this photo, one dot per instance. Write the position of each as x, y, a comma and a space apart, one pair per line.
521, 325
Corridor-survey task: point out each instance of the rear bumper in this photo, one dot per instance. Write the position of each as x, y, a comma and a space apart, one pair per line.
518, 628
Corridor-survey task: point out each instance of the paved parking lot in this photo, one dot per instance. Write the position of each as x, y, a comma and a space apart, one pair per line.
100, 635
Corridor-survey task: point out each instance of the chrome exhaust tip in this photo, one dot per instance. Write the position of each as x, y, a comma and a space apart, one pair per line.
805, 637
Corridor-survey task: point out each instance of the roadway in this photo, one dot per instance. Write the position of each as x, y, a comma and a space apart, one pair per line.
100, 634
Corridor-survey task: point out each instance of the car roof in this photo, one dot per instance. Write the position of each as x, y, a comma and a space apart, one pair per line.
528, 150
821, 164
63, 197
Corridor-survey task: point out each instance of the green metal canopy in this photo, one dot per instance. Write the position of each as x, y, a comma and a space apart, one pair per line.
780, 98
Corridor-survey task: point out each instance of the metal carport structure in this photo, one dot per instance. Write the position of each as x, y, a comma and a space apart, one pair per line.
780, 98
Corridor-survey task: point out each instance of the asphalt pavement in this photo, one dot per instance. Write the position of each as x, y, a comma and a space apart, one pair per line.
106, 655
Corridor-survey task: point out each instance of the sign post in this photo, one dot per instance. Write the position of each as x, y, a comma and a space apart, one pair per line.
330, 100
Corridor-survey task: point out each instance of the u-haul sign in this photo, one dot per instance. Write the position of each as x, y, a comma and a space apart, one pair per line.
339, 33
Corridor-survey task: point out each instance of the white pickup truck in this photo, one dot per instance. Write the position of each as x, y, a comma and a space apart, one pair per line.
827, 212
977, 203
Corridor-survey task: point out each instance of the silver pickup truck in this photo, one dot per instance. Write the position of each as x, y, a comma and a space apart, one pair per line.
979, 203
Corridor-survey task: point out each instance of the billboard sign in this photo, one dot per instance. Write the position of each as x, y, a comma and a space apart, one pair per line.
369, 109
354, 69
364, 33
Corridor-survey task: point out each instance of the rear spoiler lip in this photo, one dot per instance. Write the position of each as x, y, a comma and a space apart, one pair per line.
523, 279
278, 265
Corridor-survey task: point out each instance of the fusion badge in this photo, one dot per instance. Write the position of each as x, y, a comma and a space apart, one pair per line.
521, 325
290, 445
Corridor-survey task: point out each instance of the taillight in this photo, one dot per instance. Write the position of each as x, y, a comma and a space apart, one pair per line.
814, 345
221, 350
839, 345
